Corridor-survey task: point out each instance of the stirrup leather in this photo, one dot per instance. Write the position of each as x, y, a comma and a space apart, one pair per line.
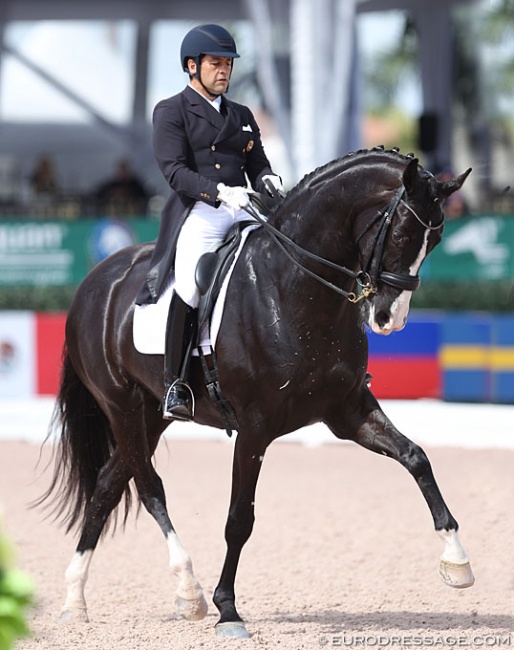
184, 408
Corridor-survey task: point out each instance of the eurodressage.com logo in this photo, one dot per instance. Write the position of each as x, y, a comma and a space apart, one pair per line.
412, 641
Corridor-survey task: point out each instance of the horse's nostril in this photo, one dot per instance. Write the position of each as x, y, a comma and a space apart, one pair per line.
382, 318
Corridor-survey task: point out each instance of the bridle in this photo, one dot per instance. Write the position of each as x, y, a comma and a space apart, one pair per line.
368, 278
402, 281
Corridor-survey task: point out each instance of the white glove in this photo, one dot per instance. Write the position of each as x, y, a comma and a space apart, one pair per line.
276, 182
235, 197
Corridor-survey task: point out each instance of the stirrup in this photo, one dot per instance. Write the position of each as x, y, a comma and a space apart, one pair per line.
178, 402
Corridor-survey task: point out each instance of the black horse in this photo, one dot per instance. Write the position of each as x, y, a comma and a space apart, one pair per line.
292, 351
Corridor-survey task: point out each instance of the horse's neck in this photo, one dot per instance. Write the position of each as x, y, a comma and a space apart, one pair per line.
329, 205
321, 225
318, 219
284, 285
274, 300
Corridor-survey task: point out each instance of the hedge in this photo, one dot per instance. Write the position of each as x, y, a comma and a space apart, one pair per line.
493, 296
497, 296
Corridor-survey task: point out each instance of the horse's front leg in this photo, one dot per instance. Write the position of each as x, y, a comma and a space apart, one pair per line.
376, 432
247, 463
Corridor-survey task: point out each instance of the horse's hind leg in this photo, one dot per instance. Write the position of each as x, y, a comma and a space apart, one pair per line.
138, 450
190, 602
112, 481
378, 434
132, 458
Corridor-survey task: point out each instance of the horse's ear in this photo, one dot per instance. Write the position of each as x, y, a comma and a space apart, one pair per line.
410, 175
445, 188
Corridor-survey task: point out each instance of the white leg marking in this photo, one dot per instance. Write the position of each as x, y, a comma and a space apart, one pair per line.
454, 568
190, 601
76, 576
453, 549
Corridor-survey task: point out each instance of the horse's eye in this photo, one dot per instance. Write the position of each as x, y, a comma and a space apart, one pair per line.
399, 238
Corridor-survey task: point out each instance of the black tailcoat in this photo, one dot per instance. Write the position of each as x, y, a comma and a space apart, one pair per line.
196, 148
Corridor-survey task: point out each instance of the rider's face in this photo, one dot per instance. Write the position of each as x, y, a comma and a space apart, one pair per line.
214, 73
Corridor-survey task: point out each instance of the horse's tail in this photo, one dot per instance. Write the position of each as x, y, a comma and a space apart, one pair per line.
85, 444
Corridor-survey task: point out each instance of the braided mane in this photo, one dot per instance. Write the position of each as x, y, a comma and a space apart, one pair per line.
351, 159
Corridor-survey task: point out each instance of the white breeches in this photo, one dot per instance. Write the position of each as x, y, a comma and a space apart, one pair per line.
203, 231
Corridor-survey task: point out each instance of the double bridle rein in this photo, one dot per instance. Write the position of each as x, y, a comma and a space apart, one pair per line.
368, 278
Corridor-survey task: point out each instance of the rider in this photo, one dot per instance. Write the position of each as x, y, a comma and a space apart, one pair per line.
207, 147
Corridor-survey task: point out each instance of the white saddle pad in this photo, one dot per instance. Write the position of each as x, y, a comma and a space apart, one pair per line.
149, 326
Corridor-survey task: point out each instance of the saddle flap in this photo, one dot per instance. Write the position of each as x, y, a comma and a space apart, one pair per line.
205, 270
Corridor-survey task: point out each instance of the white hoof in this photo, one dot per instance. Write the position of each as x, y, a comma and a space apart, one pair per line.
454, 575
234, 630
76, 615
192, 610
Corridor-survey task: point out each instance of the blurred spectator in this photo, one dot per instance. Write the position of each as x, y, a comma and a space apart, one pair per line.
43, 180
455, 206
122, 195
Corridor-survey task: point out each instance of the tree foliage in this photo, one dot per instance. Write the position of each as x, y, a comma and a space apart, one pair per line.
15, 597
498, 31
490, 24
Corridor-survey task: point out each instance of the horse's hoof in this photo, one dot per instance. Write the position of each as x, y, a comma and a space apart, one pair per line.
192, 610
454, 575
232, 629
77, 615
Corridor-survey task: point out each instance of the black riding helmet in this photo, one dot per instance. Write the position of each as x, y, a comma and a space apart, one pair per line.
207, 39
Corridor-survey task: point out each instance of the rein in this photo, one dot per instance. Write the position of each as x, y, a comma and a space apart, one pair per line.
368, 278
279, 237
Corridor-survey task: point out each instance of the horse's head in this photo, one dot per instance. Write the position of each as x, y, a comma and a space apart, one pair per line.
399, 238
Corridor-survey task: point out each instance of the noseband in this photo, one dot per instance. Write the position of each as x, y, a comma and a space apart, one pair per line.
368, 278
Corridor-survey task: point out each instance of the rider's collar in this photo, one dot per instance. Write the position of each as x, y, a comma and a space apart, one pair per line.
216, 102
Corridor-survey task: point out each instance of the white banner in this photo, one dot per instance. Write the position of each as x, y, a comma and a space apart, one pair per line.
17, 354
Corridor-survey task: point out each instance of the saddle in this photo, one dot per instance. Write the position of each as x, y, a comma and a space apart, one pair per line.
212, 267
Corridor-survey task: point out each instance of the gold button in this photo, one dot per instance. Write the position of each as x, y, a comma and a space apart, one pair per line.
213, 147
218, 166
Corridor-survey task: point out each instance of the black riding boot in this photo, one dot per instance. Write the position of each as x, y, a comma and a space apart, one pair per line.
178, 400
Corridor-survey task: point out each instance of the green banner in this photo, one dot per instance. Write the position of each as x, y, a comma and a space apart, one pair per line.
60, 253
473, 248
